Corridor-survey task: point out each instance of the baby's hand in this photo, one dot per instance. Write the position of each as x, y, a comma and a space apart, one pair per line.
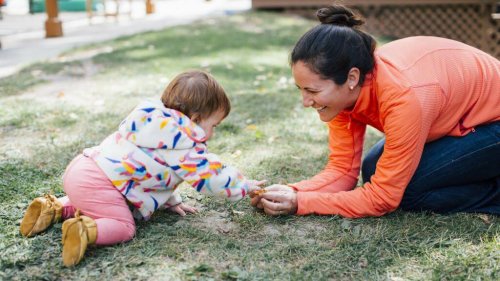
256, 183
182, 209
255, 188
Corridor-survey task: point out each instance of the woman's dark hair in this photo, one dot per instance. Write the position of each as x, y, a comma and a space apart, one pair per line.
333, 47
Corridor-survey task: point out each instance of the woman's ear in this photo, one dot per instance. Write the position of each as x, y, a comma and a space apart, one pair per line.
353, 77
196, 118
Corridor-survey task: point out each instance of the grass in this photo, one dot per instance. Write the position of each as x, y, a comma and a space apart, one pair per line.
51, 111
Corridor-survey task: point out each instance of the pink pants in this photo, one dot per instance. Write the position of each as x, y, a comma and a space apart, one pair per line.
89, 189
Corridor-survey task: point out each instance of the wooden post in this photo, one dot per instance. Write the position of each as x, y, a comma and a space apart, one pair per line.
150, 7
53, 26
88, 7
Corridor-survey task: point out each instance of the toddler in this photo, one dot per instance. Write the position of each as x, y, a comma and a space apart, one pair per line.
138, 168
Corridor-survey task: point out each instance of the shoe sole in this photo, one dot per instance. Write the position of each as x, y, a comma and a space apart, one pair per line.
74, 243
31, 228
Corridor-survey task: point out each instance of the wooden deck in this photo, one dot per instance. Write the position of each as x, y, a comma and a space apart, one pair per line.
317, 3
469, 21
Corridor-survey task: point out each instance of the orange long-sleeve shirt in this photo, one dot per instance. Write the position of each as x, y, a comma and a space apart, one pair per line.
421, 89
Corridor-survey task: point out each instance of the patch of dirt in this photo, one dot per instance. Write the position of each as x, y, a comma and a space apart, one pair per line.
71, 86
307, 228
303, 230
215, 222
272, 230
18, 145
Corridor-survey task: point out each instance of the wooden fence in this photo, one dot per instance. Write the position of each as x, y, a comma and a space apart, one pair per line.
468, 21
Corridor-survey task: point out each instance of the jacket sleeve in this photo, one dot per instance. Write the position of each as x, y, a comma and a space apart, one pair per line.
174, 199
405, 139
205, 172
342, 170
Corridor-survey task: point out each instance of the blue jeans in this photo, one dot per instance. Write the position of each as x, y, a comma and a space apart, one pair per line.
455, 174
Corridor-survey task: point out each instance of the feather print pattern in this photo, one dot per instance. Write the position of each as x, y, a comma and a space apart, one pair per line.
154, 150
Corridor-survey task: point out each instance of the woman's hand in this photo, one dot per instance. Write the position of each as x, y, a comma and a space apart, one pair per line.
256, 195
277, 200
182, 209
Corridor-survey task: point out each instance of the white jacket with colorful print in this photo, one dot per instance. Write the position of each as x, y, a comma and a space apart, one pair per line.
157, 148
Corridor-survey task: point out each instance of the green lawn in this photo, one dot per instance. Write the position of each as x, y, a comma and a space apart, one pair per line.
50, 111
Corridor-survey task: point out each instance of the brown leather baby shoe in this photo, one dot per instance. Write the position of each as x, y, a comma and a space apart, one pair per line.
77, 233
41, 213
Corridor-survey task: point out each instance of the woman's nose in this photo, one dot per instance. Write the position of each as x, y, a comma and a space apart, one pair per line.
306, 100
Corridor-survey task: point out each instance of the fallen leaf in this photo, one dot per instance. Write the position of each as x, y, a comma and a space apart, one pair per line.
346, 224
363, 262
235, 154
239, 213
251, 127
223, 230
485, 218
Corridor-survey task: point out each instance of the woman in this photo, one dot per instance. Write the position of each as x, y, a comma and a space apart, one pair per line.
437, 102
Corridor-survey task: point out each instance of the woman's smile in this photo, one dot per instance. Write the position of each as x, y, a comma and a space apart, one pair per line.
320, 109
326, 97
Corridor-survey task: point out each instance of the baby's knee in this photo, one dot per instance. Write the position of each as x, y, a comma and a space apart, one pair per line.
130, 232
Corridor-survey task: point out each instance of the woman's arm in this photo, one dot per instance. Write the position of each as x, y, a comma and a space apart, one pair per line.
405, 137
340, 174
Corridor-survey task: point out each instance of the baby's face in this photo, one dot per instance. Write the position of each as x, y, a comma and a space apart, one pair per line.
208, 124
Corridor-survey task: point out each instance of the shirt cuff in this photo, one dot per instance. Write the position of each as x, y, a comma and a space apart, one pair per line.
173, 200
292, 185
304, 201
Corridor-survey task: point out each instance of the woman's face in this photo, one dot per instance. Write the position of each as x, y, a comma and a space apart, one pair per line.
328, 98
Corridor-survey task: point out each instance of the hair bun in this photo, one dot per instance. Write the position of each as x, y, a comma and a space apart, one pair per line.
339, 15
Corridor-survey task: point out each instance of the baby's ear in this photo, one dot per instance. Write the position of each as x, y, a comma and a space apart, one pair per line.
196, 118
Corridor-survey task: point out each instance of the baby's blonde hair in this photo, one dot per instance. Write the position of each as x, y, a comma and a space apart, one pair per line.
196, 92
